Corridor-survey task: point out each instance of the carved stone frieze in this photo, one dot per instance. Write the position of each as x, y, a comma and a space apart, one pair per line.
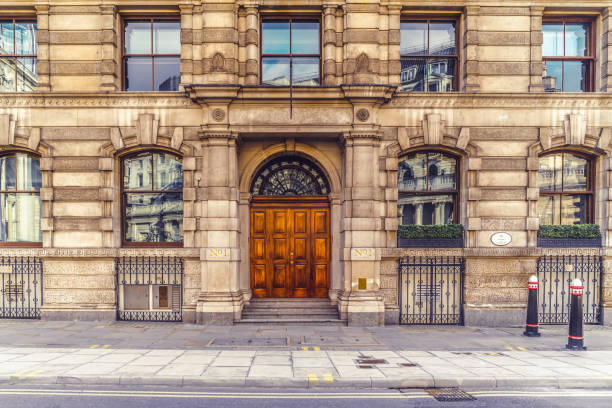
99, 252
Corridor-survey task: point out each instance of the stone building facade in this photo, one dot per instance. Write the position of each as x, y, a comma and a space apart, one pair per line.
497, 112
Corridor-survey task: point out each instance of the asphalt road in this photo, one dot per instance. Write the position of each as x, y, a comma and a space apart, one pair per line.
102, 397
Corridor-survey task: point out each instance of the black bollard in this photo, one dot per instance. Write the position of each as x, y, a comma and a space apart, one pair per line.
576, 339
531, 327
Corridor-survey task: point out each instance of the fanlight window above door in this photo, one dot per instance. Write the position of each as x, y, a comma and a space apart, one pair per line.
290, 176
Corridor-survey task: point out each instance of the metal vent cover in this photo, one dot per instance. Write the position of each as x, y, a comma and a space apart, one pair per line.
449, 394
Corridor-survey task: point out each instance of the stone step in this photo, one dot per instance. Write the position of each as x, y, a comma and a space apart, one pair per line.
292, 322
291, 310
278, 315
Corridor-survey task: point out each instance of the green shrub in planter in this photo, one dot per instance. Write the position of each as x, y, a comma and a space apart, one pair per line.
447, 231
569, 231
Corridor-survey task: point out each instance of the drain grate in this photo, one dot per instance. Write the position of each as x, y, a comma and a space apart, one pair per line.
449, 394
371, 361
408, 365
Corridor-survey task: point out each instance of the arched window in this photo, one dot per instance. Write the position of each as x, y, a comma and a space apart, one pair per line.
290, 176
427, 184
566, 189
20, 206
152, 199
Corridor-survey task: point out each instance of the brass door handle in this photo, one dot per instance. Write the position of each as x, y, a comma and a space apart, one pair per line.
291, 260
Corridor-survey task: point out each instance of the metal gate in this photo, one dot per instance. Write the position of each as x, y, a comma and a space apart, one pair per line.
431, 290
22, 293
149, 288
555, 274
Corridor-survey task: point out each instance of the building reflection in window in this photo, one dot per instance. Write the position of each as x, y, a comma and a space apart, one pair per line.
153, 198
20, 206
427, 189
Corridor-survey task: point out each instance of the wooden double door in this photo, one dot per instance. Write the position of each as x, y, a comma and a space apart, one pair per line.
290, 247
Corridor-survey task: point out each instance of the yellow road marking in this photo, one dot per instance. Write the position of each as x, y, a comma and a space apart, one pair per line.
509, 348
106, 346
94, 346
316, 348
304, 348
33, 374
18, 373
328, 378
521, 348
313, 379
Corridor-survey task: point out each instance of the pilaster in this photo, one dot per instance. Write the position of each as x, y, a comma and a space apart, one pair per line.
252, 45
606, 51
42, 37
536, 40
470, 49
187, 35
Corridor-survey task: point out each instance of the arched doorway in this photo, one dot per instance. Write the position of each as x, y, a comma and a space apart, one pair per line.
290, 238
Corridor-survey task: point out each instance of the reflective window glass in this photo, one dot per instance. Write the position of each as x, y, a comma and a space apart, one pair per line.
166, 37
152, 55
575, 76
154, 217
153, 198
275, 37
414, 38
553, 40
305, 37
426, 209
441, 172
290, 52
413, 74
549, 173
442, 38
138, 37
18, 55
575, 172
576, 40
20, 205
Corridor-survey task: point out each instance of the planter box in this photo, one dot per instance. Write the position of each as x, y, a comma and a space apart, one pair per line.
430, 242
569, 242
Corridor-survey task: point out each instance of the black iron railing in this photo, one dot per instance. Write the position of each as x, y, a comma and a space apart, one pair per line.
150, 288
431, 290
555, 274
21, 285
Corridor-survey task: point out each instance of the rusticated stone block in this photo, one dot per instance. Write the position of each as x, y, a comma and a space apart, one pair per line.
75, 194
106, 224
533, 193
474, 224
189, 224
76, 224
46, 164
106, 194
533, 223
189, 194
46, 194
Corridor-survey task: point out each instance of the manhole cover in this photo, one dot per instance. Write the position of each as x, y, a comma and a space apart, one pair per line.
250, 342
449, 394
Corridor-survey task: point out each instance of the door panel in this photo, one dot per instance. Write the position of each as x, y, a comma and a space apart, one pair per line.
290, 251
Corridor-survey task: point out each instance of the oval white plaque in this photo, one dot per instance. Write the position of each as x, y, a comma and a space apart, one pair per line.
501, 238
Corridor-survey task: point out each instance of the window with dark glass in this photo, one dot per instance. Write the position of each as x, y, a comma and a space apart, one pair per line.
152, 198
427, 184
151, 54
566, 190
20, 206
17, 55
290, 52
428, 51
568, 55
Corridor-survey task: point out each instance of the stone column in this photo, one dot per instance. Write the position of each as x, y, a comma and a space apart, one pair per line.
186, 44
361, 303
108, 66
536, 39
252, 45
470, 50
606, 51
220, 301
329, 45
42, 38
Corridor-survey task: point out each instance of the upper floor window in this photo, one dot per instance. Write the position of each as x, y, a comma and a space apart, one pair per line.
568, 55
152, 199
290, 51
566, 189
151, 54
428, 51
17, 55
20, 206
427, 184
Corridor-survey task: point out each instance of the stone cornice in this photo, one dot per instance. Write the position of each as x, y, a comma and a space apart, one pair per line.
100, 252
492, 252
501, 100
94, 100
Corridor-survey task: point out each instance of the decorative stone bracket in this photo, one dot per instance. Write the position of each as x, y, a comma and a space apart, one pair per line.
8, 136
574, 132
433, 131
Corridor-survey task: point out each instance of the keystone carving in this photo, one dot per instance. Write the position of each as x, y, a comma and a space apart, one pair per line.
604, 138
116, 138
432, 129
575, 129
34, 139
147, 127
7, 130
545, 138
464, 138
177, 138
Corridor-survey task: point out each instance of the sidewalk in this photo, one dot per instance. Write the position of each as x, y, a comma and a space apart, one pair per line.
209, 356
